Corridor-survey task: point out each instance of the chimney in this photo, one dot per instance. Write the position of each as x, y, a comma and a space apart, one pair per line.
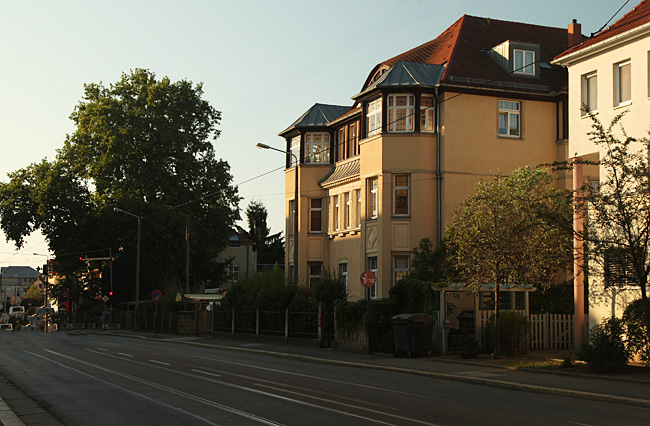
574, 33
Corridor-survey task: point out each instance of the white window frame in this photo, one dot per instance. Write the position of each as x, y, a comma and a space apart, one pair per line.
336, 213
398, 189
589, 94
343, 272
317, 148
401, 118
358, 209
402, 271
373, 267
427, 122
619, 90
373, 197
233, 273
524, 62
295, 150
291, 217
347, 211
509, 113
313, 276
374, 117
314, 210
353, 140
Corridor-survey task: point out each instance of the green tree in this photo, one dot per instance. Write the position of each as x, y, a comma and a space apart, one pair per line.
270, 247
512, 230
617, 234
143, 145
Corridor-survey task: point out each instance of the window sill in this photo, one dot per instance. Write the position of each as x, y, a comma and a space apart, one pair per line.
401, 217
623, 104
343, 233
509, 137
591, 114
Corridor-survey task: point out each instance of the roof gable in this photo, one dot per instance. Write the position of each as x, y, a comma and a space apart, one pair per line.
637, 17
18, 272
463, 48
407, 74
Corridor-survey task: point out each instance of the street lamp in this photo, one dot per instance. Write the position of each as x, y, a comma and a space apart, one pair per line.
137, 267
295, 210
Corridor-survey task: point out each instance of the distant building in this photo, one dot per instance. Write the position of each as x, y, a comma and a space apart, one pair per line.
15, 282
244, 258
377, 177
608, 73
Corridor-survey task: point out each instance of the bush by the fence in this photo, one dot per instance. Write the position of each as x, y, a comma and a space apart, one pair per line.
514, 330
637, 332
605, 351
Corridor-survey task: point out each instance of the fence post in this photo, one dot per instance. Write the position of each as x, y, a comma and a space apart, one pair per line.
286, 326
547, 331
232, 335
257, 324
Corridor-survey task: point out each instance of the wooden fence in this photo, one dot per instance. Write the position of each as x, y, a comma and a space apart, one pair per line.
547, 331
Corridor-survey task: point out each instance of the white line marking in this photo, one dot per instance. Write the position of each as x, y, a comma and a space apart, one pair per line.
129, 355
102, 349
159, 362
165, 388
205, 372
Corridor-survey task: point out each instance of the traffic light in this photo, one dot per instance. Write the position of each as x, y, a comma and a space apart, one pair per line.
110, 293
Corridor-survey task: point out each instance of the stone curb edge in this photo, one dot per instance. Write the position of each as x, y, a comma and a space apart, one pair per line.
7, 416
612, 399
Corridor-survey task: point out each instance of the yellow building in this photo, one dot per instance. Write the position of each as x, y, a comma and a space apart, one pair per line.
609, 74
377, 177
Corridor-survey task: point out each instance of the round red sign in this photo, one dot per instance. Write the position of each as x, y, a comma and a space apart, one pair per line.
368, 279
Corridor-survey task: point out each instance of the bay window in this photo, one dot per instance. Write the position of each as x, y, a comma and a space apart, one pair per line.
401, 112
317, 148
401, 195
374, 117
426, 114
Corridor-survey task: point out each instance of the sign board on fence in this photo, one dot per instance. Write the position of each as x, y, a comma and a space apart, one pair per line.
156, 294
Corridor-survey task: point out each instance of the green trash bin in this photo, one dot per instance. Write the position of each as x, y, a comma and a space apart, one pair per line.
413, 334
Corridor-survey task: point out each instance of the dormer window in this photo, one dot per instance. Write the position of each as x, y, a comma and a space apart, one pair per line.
524, 62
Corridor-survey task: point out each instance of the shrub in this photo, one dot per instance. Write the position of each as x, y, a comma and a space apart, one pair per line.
329, 289
514, 329
410, 295
637, 332
605, 351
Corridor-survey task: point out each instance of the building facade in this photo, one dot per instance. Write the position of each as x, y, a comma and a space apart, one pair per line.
608, 74
15, 282
378, 176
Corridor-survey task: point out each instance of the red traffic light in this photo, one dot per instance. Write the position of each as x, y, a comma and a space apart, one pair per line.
110, 293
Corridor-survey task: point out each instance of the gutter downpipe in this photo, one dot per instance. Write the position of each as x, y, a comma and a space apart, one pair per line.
438, 171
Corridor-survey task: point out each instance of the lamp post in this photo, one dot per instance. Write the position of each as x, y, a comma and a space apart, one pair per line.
137, 267
295, 210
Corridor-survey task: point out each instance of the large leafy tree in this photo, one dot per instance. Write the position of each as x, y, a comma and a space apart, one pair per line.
144, 145
512, 230
618, 212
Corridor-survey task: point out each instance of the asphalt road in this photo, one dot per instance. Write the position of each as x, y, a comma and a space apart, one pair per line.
108, 380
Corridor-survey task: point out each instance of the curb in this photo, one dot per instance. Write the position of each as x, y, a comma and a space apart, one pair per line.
502, 384
7, 416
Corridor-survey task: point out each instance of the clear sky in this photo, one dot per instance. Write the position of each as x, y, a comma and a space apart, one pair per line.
263, 63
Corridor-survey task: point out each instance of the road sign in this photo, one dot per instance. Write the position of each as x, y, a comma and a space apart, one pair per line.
105, 298
178, 297
368, 279
156, 295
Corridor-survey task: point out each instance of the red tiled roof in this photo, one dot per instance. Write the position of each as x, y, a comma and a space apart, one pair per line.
635, 18
462, 48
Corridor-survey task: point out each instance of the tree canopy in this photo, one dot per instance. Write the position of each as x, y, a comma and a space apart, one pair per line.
145, 146
512, 230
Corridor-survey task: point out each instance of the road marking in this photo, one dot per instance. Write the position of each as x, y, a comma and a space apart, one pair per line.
129, 355
158, 386
205, 372
158, 362
102, 349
